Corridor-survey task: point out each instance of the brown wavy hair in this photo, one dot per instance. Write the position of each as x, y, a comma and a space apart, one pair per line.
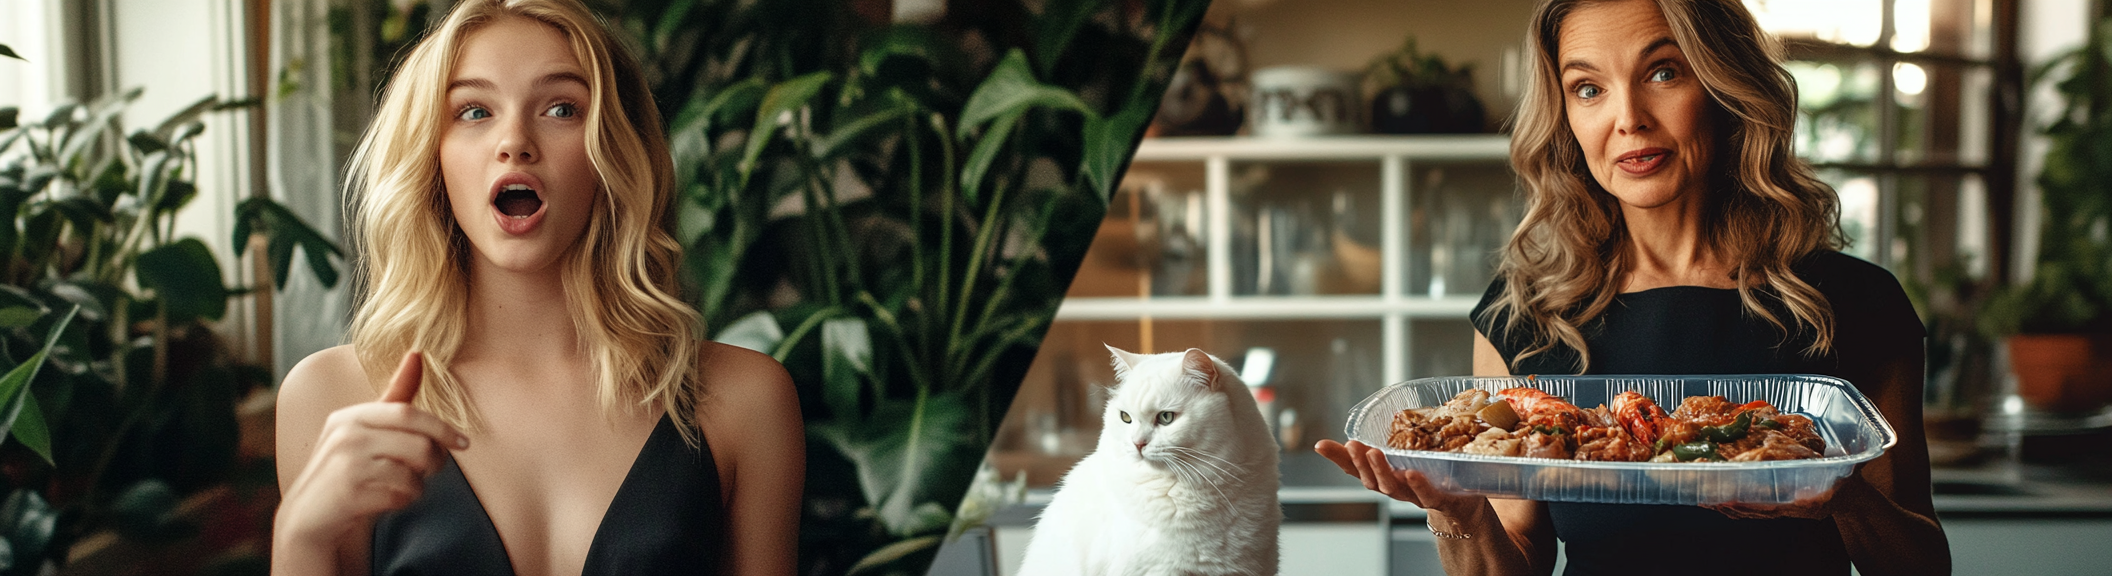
620, 279
1766, 208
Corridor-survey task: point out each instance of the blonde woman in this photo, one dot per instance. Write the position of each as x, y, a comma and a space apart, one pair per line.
1670, 230
546, 405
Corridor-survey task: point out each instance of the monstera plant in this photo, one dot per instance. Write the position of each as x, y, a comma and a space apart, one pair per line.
893, 210
135, 406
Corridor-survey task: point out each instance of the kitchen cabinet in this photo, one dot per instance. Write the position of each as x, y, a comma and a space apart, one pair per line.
1348, 262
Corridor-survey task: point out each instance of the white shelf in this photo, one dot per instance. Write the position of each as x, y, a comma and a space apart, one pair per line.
1395, 309
1357, 147
1265, 308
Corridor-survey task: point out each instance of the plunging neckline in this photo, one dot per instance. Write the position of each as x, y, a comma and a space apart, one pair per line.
600, 527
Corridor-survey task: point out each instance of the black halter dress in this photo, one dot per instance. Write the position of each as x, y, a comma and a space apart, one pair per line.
666, 519
1697, 330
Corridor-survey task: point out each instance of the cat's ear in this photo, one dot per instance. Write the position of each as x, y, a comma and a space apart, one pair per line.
1200, 368
1124, 360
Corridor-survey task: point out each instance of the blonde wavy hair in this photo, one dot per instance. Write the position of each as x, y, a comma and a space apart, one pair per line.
620, 279
1766, 208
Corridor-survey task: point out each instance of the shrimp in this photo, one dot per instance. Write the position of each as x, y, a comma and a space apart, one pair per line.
1639, 415
1529, 401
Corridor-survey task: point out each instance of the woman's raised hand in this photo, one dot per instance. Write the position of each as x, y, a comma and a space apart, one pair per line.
1369, 465
370, 458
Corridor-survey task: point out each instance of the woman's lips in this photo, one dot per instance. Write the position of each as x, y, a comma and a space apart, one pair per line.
503, 202
1642, 162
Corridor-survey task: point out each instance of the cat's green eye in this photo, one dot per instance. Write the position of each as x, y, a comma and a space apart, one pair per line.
1125, 417
1165, 418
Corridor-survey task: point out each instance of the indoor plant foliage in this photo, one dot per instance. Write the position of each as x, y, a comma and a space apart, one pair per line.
893, 210
2068, 302
1419, 93
135, 406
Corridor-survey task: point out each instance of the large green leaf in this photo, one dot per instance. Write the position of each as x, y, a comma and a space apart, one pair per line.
1109, 142
984, 154
846, 363
757, 331
285, 231
907, 452
185, 277
15, 398
786, 98
1011, 89
853, 127
19, 316
168, 129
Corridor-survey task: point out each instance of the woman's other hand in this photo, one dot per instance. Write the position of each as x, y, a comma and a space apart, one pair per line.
370, 458
1369, 465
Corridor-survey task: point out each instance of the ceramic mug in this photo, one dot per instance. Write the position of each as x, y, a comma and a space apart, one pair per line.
1303, 101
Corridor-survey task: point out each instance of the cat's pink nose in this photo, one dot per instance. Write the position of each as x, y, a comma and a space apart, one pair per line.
1140, 447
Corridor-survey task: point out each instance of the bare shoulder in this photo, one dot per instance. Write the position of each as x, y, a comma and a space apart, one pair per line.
320, 384
748, 403
729, 369
325, 381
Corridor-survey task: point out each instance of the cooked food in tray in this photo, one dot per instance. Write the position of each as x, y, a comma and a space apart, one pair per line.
1528, 422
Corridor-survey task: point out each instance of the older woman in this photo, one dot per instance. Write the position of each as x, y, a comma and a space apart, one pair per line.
1670, 230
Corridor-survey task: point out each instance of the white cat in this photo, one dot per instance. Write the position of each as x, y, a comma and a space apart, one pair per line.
1183, 481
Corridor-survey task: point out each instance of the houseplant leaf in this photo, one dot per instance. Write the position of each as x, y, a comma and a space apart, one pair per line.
1109, 142
846, 363
757, 331
14, 395
185, 277
984, 154
899, 466
784, 98
285, 231
1012, 89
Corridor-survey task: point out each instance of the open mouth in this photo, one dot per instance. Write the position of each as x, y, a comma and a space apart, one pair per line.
518, 201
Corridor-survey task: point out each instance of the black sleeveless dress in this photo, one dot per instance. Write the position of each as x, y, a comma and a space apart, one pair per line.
666, 519
1696, 330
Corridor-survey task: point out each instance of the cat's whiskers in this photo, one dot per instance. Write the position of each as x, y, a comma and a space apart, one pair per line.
1175, 457
1212, 460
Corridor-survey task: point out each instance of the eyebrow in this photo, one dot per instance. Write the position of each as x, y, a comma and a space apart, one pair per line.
1660, 42
546, 80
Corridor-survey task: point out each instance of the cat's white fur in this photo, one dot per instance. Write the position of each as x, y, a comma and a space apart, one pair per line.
1196, 496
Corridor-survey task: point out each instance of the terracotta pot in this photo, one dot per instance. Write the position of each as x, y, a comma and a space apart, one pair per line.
2063, 372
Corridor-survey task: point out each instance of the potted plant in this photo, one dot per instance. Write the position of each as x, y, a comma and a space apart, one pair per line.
134, 409
1419, 93
2058, 326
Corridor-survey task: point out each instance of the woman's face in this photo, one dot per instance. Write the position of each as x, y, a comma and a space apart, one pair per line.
1634, 104
513, 151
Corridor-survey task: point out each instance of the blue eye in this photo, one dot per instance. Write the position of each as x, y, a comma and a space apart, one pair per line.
1588, 91
1661, 75
473, 113
563, 110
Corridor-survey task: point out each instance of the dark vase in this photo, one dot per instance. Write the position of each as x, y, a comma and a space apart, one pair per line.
1401, 110
1427, 110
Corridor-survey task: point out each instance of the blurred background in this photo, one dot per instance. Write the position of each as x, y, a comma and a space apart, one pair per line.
1327, 182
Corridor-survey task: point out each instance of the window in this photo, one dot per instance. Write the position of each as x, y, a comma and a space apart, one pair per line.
1896, 113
